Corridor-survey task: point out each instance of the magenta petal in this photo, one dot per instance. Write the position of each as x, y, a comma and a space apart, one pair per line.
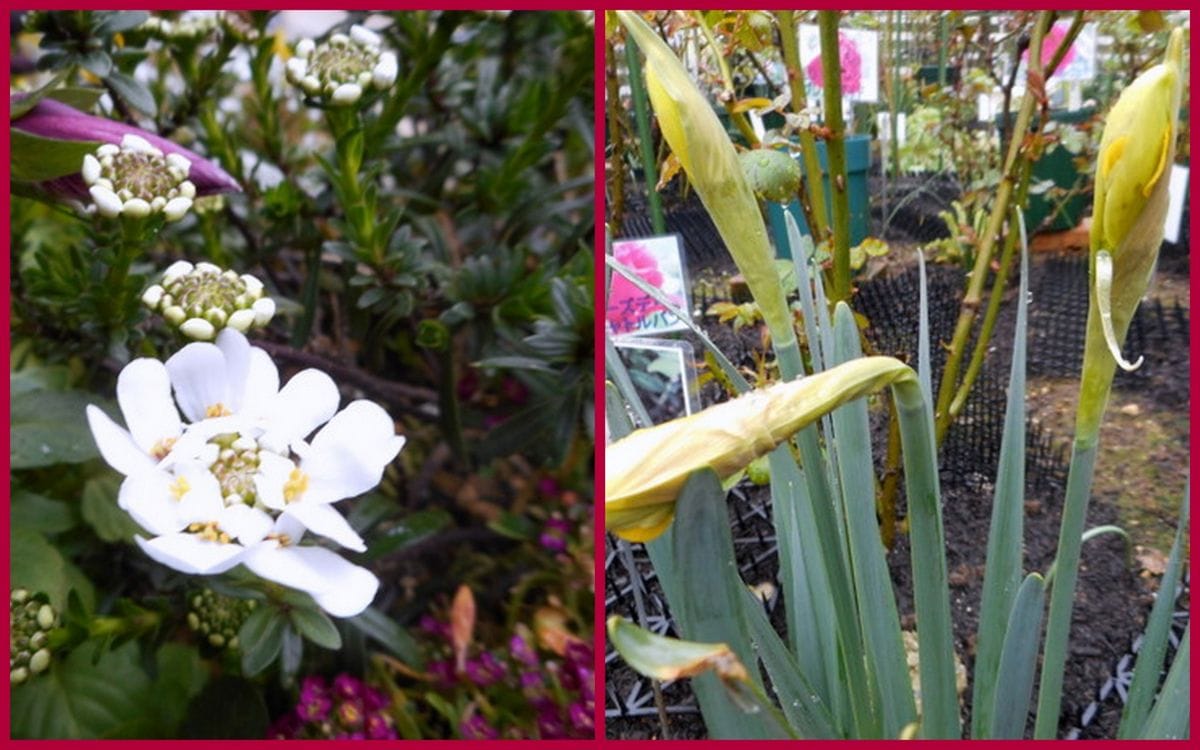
53, 119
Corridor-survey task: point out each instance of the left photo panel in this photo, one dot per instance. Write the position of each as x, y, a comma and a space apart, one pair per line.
301, 375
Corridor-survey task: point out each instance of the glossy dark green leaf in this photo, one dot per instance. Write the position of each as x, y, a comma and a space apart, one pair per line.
36, 565
42, 514
181, 675
412, 529
97, 62
316, 626
90, 694
111, 22
261, 638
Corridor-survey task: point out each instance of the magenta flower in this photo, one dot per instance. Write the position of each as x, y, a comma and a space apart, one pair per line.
52, 119
851, 62
637, 257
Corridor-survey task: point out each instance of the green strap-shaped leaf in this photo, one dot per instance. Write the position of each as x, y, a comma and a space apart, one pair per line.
1018, 661
1172, 712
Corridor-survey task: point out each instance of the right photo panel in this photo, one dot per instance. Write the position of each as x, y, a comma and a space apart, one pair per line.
897, 318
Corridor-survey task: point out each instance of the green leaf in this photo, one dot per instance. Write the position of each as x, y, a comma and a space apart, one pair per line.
1018, 661
228, 708
388, 633
97, 62
180, 678
261, 637
1169, 718
514, 526
92, 694
36, 159
133, 92
316, 626
412, 529
82, 98
42, 514
35, 564
18, 107
111, 22
100, 510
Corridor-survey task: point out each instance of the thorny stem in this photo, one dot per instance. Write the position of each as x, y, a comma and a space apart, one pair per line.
812, 190
835, 144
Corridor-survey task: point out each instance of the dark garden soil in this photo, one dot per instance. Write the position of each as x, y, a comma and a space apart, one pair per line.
1140, 478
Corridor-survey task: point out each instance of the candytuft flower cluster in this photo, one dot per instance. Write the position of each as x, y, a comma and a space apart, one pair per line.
344, 67
240, 482
202, 299
137, 179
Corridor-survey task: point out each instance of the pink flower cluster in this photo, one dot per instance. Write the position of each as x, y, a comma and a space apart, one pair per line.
349, 709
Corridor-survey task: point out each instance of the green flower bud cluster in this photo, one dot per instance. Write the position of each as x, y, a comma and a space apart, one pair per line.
343, 67
218, 618
202, 299
31, 619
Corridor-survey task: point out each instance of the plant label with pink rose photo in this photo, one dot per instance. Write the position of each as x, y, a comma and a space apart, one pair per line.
859, 55
658, 262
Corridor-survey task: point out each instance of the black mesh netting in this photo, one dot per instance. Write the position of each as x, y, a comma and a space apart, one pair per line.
1058, 291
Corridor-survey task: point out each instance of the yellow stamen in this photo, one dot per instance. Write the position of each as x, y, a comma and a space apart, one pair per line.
296, 485
217, 410
162, 448
180, 487
209, 532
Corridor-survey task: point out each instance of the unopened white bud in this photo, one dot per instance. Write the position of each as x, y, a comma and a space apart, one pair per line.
45, 617
216, 316
364, 36
107, 202
364, 79
18, 675
346, 94
136, 208
305, 47
158, 203
197, 328
152, 296
90, 170
175, 270
264, 310
254, 287
244, 443
181, 162
176, 208
385, 71
133, 142
39, 661
174, 314
187, 189
339, 39
296, 68
241, 321
311, 85
206, 267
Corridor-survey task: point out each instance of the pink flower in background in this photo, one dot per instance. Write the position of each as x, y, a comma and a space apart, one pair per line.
851, 62
636, 256
1053, 39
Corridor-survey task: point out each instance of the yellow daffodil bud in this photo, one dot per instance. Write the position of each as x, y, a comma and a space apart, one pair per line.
1137, 150
644, 472
700, 143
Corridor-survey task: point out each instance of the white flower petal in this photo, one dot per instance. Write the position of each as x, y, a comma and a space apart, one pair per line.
308, 400
262, 381
201, 502
236, 350
273, 472
348, 456
116, 444
324, 520
144, 393
147, 498
198, 376
341, 588
191, 554
248, 525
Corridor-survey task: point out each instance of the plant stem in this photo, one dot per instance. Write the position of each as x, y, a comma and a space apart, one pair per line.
641, 115
616, 135
812, 192
358, 205
729, 99
831, 74
983, 257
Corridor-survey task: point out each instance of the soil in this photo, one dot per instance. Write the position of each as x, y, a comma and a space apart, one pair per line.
1141, 477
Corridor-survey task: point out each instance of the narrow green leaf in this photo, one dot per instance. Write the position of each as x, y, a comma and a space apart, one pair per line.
1018, 661
619, 424
261, 638
36, 159
1172, 712
133, 92
880, 622
409, 531
111, 22
665, 658
388, 633
1149, 662
99, 508
1006, 533
316, 626
707, 611
801, 703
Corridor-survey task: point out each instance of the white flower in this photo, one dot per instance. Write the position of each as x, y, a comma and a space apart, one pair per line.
202, 299
136, 180
144, 395
343, 67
